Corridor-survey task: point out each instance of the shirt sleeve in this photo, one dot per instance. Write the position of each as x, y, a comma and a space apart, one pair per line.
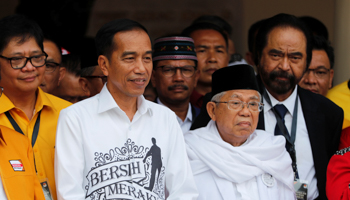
69, 157
338, 177
179, 179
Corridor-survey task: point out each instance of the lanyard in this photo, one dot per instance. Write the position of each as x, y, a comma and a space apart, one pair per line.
289, 138
18, 129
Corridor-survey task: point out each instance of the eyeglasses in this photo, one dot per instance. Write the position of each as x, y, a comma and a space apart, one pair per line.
1, 91
103, 78
21, 61
186, 71
51, 67
320, 73
239, 105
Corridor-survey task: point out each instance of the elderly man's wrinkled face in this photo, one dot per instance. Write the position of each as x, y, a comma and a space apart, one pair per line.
283, 61
235, 125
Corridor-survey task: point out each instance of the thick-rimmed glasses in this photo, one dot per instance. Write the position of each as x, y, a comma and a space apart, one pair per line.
253, 106
21, 61
51, 66
103, 78
186, 71
319, 73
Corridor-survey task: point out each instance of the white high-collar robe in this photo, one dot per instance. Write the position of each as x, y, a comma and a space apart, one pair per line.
223, 171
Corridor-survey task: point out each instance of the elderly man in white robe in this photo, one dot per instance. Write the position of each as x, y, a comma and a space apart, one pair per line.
230, 159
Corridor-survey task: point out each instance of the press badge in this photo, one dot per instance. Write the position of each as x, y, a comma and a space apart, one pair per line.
46, 189
301, 187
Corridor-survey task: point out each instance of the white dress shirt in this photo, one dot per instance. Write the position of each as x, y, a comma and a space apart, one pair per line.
305, 162
186, 124
100, 153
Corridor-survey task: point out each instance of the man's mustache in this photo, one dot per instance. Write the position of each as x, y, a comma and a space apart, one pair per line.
282, 74
173, 87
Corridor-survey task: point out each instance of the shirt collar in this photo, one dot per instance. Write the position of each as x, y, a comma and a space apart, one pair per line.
107, 102
189, 111
41, 101
289, 103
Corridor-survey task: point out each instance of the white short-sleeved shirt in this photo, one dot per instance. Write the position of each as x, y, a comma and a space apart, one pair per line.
101, 153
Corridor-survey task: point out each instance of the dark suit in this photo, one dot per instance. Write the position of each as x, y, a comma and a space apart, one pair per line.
323, 121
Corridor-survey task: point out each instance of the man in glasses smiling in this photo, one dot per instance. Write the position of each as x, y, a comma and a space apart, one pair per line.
24, 106
175, 76
319, 76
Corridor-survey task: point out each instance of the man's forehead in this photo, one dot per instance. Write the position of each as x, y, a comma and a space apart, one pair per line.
177, 63
15, 43
126, 39
242, 93
206, 35
284, 32
319, 60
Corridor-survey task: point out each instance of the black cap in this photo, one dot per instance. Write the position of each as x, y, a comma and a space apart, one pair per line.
237, 77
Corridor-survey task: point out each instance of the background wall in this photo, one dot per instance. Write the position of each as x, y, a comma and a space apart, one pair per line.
169, 17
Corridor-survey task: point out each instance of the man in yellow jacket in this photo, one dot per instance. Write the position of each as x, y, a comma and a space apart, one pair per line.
24, 106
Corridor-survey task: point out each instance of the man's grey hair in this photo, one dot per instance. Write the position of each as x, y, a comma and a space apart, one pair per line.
218, 96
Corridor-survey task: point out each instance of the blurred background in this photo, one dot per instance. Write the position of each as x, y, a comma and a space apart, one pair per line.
72, 21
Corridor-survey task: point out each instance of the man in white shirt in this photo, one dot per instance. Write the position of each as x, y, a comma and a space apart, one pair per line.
229, 158
105, 144
311, 123
175, 76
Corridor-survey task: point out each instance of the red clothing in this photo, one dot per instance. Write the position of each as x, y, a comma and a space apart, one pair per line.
345, 138
338, 176
196, 99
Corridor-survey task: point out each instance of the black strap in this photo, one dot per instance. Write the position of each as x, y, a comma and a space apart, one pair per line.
18, 129
289, 138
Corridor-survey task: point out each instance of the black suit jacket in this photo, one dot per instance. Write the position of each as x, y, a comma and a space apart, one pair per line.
323, 121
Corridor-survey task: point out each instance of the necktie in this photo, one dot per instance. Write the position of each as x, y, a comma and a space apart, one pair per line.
281, 110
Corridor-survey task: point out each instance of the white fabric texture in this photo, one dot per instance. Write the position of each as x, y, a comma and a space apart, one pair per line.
213, 159
305, 161
100, 153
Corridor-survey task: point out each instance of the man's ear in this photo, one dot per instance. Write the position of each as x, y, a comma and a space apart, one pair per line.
211, 108
62, 74
103, 63
83, 82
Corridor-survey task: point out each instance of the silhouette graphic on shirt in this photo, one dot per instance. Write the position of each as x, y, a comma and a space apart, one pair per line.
156, 163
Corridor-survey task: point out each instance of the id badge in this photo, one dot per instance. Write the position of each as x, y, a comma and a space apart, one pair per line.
301, 187
46, 189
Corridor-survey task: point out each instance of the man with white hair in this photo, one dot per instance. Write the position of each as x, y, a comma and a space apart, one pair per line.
230, 159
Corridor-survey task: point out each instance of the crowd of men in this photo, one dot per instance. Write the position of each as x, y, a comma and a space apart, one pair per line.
211, 125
